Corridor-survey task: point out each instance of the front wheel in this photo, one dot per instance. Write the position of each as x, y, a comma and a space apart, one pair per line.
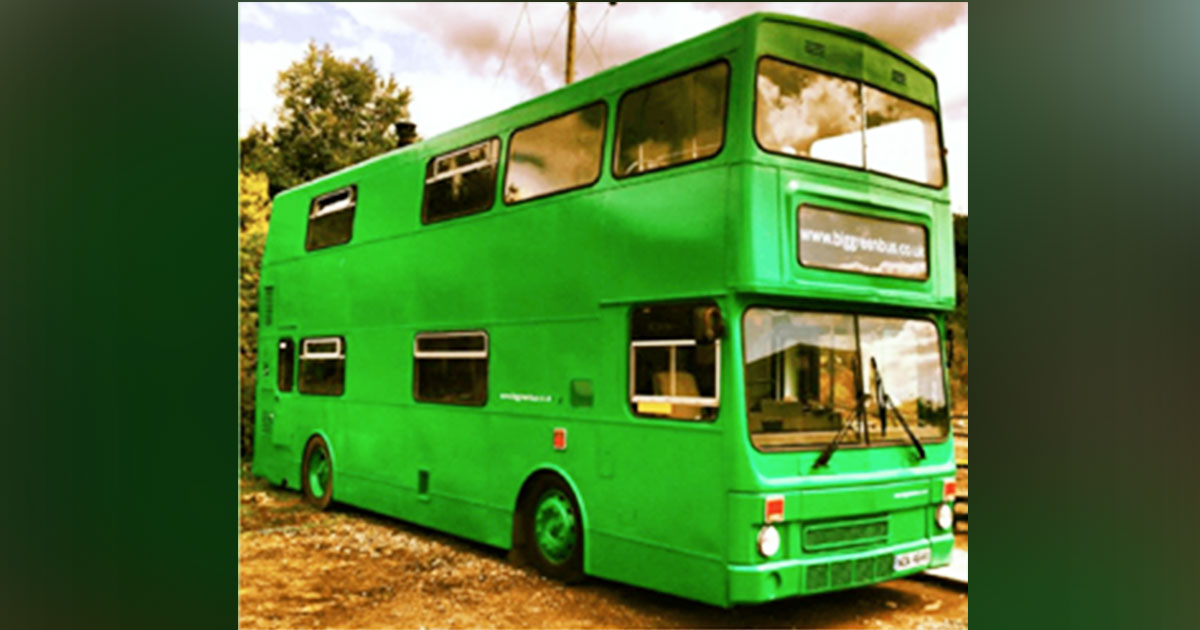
554, 530
316, 473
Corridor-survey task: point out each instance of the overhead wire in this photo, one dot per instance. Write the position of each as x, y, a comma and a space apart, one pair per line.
542, 57
532, 39
587, 38
591, 38
604, 35
511, 39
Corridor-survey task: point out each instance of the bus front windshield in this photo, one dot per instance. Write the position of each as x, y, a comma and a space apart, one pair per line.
809, 373
810, 114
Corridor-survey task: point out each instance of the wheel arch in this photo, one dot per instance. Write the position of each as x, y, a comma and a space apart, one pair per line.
523, 494
319, 433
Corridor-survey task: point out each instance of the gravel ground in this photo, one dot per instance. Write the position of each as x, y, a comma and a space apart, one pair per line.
345, 568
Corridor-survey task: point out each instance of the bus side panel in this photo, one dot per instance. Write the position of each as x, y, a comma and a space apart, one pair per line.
659, 518
656, 496
265, 463
470, 483
658, 568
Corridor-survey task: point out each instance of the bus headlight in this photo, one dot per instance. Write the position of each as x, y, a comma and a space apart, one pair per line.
768, 541
945, 516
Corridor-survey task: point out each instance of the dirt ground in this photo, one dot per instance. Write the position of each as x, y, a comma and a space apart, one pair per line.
345, 568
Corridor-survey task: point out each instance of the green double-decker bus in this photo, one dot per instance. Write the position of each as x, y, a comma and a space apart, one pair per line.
678, 325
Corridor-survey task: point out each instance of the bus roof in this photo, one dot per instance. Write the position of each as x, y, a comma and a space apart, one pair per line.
589, 84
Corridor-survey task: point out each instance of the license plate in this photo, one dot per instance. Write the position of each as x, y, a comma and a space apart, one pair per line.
910, 560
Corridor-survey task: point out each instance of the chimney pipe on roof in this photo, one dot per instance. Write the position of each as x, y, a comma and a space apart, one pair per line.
406, 133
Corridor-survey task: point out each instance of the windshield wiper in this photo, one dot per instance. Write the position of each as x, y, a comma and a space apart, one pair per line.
832, 446
859, 417
884, 401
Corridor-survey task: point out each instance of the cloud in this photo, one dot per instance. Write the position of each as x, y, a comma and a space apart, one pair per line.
251, 13
259, 65
346, 28
458, 61
291, 8
478, 33
904, 25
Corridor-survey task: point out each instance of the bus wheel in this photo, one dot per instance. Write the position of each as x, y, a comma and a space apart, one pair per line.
316, 474
554, 531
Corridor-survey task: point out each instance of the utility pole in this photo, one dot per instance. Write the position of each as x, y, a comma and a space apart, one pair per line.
571, 41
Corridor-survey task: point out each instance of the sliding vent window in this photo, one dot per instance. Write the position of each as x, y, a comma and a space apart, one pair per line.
679, 120
559, 154
674, 365
451, 368
331, 218
323, 366
286, 364
461, 182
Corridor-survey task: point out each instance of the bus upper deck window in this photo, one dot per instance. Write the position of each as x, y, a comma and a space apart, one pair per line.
809, 114
902, 138
804, 113
674, 121
556, 155
460, 182
331, 218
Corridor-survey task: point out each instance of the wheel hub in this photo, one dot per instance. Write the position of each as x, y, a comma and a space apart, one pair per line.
318, 473
554, 526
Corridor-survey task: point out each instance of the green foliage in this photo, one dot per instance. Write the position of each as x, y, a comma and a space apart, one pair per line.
254, 213
957, 322
335, 113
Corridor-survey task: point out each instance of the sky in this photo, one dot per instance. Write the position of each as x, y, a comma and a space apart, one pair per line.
464, 61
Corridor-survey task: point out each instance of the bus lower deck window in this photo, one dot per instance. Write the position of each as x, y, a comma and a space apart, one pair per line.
285, 364
323, 366
451, 368
674, 371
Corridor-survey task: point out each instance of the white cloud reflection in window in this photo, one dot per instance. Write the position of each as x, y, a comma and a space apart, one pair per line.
808, 114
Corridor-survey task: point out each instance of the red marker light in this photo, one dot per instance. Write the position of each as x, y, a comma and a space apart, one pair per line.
949, 489
773, 510
560, 439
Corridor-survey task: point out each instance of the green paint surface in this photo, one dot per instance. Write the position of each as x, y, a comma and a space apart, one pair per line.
671, 505
318, 473
554, 526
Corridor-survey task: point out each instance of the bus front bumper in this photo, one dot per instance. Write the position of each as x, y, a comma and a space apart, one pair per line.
769, 581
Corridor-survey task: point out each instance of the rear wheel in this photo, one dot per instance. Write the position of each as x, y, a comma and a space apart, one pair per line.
316, 474
554, 530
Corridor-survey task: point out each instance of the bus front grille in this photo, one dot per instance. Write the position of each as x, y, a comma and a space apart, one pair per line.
824, 536
848, 572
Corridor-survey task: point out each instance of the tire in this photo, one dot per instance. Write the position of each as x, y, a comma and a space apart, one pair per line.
316, 474
553, 529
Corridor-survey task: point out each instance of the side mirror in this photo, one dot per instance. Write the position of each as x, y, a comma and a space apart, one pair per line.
709, 324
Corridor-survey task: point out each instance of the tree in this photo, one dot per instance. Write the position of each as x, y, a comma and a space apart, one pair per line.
957, 322
254, 213
334, 113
